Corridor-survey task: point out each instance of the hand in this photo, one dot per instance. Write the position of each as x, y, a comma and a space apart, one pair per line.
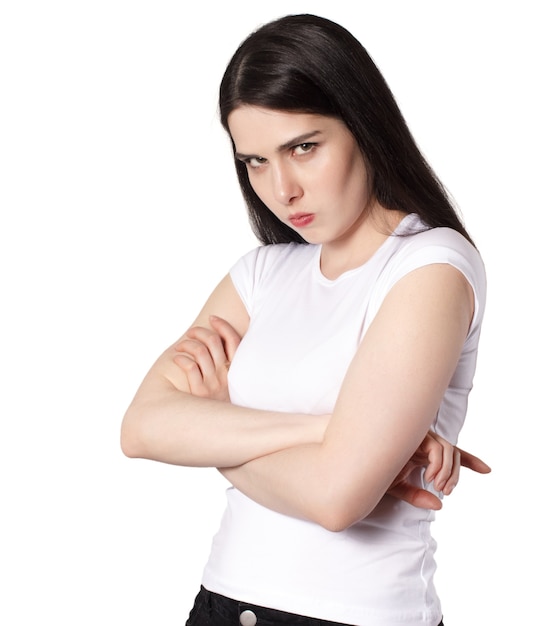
205, 355
442, 461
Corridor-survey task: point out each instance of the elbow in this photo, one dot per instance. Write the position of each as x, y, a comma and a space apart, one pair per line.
336, 522
130, 440
128, 446
340, 496
340, 512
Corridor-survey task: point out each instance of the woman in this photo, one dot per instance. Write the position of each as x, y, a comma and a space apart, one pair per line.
328, 369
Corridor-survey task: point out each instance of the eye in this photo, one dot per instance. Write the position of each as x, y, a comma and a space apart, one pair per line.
303, 148
255, 162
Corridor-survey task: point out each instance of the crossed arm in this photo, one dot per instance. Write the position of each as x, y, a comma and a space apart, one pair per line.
330, 469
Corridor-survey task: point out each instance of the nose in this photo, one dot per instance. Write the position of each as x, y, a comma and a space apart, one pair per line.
286, 186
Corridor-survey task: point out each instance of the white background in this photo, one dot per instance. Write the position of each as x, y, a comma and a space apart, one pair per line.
120, 212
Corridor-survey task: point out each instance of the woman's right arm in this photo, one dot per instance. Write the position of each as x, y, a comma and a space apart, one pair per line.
201, 356
166, 423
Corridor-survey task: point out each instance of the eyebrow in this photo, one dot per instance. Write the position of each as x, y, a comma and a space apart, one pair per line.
283, 147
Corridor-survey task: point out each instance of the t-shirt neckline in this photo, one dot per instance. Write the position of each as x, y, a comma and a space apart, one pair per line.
401, 228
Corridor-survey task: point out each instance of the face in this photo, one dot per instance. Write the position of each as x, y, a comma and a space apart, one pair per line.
307, 169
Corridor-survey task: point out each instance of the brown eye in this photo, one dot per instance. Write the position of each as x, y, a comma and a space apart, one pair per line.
255, 162
303, 148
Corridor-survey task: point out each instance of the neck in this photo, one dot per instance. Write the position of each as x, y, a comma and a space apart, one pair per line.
357, 247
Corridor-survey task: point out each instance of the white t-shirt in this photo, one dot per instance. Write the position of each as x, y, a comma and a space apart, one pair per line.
304, 330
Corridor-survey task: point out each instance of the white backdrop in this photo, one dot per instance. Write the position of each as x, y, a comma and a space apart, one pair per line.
120, 212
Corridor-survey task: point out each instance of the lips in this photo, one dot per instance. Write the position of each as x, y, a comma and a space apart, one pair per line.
301, 219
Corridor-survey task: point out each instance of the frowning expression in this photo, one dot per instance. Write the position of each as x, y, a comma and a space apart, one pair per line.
307, 169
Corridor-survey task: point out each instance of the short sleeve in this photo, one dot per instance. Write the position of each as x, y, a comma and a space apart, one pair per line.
243, 277
250, 273
437, 245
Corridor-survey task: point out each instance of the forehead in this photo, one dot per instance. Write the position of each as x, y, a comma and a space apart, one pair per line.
252, 126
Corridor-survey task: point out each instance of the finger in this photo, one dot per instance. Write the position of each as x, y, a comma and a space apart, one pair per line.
230, 337
198, 352
447, 465
452, 481
445, 456
197, 333
416, 496
213, 343
473, 463
434, 456
193, 374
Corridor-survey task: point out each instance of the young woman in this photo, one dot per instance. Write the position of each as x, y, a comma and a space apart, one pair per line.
330, 367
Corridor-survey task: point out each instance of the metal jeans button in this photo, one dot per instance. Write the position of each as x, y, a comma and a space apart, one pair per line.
248, 618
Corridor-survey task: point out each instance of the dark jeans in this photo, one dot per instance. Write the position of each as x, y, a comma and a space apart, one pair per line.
212, 609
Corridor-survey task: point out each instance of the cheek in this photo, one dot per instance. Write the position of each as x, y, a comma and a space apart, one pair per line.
355, 181
342, 174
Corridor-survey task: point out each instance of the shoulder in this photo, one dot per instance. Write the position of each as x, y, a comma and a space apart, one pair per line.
415, 246
266, 266
265, 259
418, 235
418, 245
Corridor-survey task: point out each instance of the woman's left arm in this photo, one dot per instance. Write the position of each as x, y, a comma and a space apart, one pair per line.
387, 403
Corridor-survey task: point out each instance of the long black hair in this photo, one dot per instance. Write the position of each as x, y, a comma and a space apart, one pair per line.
305, 63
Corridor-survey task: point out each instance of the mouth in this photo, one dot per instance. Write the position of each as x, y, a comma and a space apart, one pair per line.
301, 219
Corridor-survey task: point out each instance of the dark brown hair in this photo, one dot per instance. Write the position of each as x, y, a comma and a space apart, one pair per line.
305, 63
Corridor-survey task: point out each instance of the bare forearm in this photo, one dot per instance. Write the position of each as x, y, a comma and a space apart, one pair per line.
300, 482
272, 482
182, 429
